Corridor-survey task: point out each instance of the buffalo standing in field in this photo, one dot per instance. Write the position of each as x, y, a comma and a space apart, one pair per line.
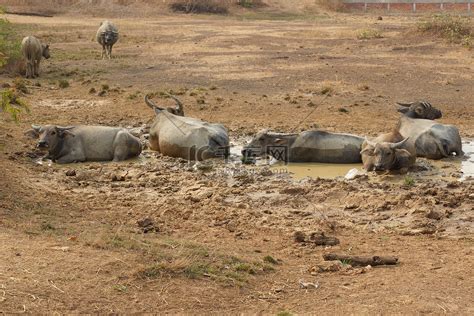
86, 143
431, 139
309, 146
185, 137
107, 35
33, 50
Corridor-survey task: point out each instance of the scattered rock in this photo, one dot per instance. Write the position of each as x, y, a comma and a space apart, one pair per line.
308, 285
71, 173
299, 236
117, 177
379, 18
319, 239
147, 225
434, 215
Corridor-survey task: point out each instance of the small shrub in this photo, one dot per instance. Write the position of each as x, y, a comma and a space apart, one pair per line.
456, 29
105, 87
12, 104
250, 3
200, 6
63, 83
20, 85
333, 5
10, 47
327, 90
92, 90
409, 181
368, 34
270, 259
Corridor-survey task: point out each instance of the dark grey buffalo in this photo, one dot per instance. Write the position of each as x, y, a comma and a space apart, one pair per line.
107, 35
431, 139
309, 146
175, 135
86, 143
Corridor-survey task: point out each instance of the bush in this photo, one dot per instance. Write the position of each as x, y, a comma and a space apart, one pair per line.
200, 6
368, 34
12, 104
455, 29
10, 47
333, 5
250, 3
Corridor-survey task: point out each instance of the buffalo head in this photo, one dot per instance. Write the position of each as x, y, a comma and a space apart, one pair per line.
262, 143
45, 52
50, 136
420, 110
381, 156
178, 110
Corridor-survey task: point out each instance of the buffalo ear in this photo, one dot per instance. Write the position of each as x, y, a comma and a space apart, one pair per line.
32, 133
402, 153
64, 131
403, 110
366, 150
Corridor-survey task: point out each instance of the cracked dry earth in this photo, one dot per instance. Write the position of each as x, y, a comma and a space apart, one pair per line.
156, 234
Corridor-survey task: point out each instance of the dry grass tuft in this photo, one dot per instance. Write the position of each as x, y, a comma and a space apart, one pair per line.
366, 34
456, 29
333, 5
200, 6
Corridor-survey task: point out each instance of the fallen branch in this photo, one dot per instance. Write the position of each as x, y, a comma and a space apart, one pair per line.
362, 261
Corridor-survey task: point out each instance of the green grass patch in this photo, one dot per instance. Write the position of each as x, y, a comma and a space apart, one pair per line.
409, 181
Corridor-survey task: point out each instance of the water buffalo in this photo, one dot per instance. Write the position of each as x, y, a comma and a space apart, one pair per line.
388, 152
107, 35
32, 50
189, 138
431, 139
309, 146
86, 143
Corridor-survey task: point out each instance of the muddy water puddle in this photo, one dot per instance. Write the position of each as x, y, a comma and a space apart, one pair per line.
453, 168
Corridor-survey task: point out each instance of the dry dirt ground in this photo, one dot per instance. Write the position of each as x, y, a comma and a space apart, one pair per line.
157, 235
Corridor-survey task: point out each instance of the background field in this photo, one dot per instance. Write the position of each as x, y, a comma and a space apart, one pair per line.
222, 242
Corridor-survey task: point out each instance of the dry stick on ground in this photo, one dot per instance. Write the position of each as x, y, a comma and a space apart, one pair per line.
362, 261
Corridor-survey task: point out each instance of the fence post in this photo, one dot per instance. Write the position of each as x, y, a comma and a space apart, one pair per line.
365, 6
388, 7
441, 6
414, 6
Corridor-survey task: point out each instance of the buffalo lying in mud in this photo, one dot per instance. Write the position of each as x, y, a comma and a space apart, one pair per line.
309, 146
431, 139
86, 143
185, 137
388, 152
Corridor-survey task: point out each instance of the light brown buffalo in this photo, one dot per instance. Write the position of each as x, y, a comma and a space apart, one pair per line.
32, 50
189, 138
388, 152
